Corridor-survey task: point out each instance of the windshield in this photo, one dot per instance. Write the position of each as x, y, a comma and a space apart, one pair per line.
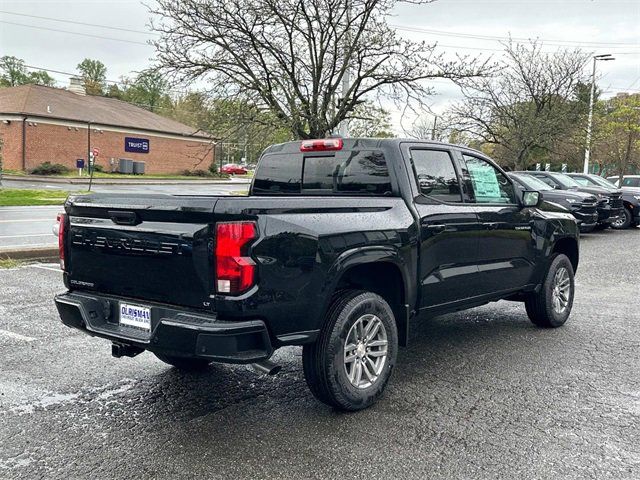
601, 181
565, 180
532, 182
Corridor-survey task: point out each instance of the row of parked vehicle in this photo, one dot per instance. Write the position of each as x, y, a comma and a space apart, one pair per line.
594, 201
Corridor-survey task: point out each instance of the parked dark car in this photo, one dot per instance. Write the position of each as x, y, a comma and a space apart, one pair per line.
339, 247
583, 206
630, 197
609, 203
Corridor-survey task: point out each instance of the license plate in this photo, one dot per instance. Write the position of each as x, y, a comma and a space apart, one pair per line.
135, 316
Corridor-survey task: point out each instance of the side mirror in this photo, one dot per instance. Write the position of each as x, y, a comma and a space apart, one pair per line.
530, 199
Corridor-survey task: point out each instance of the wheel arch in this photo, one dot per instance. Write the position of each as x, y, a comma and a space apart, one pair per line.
379, 270
568, 246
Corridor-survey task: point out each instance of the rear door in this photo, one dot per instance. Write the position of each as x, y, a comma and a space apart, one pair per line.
448, 229
506, 253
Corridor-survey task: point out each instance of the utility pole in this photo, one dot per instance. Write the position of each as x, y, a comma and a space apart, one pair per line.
346, 78
587, 151
433, 130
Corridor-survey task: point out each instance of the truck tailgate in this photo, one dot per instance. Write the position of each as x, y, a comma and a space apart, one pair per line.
151, 247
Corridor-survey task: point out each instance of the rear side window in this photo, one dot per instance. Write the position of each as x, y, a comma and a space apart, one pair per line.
631, 182
345, 172
436, 175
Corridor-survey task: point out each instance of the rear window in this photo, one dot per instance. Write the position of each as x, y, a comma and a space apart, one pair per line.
359, 172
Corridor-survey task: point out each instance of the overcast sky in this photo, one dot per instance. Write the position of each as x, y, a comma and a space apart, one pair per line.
600, 26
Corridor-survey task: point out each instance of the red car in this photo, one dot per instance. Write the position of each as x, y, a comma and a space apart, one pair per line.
233, 169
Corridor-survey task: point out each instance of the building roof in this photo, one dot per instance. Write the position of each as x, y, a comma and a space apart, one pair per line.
49, 102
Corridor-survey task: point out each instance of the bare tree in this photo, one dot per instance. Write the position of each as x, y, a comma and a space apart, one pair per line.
290, 56
527, 106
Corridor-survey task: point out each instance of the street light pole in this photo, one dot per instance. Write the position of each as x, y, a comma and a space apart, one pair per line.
587, 151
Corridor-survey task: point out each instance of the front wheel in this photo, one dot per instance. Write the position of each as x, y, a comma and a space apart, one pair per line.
551, 306
350, 363
624, 221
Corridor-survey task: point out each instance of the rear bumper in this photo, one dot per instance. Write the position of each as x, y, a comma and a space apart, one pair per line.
174, 331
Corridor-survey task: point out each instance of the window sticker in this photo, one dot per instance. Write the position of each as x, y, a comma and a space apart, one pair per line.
484, 181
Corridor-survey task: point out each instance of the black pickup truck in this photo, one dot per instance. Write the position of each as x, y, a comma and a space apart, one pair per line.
338, 247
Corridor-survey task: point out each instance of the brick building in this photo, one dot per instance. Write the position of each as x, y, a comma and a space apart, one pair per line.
42, 124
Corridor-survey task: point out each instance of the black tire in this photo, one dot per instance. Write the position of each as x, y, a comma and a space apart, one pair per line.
540, 306
324, 360
184, 363
625, 222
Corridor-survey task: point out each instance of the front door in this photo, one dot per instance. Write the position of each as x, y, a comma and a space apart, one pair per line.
448, 230
506, 248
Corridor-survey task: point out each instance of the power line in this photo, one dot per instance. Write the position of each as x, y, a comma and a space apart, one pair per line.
74, 33
122, 83
498, 38
80, 23
398, 27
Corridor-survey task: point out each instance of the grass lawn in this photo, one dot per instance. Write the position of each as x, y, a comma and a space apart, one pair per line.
9, 263
74, 174
14, 197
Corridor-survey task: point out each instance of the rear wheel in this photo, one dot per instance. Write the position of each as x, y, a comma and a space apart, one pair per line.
551, 306
624, 221
350, 363
184, 363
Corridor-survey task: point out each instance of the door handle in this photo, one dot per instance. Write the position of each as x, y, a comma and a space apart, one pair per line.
436, 228
491, 225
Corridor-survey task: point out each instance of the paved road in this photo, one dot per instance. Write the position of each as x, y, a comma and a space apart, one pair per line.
31, 226
191, 189
27, 226
478, 394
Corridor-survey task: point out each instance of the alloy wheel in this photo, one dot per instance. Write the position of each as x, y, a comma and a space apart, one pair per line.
365, 351
561, 290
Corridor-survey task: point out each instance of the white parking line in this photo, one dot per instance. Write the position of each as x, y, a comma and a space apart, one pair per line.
45, 268
50, 234
46, 219
16, 336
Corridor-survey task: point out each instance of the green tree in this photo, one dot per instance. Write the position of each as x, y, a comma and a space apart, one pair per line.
94, 74
14, 73
616, 142
149, 90
41, 77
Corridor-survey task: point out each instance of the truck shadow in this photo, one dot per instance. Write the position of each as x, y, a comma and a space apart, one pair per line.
477, 343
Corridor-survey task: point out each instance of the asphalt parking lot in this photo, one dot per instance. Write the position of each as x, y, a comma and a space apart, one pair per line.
478, 394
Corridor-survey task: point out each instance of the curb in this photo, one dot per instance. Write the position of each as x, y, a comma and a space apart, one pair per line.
110, 181
33, 253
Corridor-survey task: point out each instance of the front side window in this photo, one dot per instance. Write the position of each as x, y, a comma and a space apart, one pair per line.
436, 174
631, 182
485, 183
548, 180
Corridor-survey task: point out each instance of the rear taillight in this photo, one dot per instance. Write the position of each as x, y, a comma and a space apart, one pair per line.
235, 270
62, 232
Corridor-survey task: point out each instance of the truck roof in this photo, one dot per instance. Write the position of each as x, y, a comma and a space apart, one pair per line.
365, 143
